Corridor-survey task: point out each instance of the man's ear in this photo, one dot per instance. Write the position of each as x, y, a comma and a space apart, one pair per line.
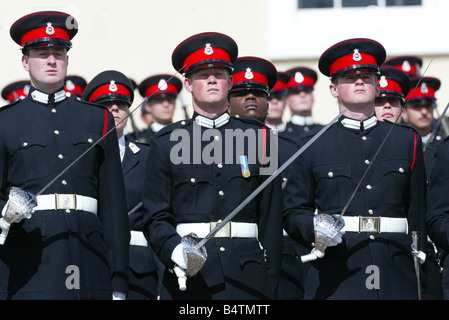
188, 84
333, 89
25, 62
230, 82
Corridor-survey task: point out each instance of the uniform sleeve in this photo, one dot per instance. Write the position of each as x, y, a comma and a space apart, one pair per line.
113, 214
438, 199
299, 202
416, 212
159, 223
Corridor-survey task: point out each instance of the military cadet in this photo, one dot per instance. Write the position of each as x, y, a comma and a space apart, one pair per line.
75, 243
161, 91
253, 81
370, 258
74, 86
300, 100
394, 87
277, 100
419, 114
114, 90
191, 183
438, 208
16, 90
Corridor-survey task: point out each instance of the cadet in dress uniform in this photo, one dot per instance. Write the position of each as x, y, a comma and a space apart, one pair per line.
253, 80
394, 87
300, 100
114, 90
16, 90
161, 91
190, 184
373, 259
74, 86
75, 245
419, 114
277, 101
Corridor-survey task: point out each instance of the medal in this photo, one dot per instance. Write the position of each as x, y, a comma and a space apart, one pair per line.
244, 166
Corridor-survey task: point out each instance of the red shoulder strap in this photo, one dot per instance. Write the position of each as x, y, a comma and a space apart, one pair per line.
106, 120
414, 154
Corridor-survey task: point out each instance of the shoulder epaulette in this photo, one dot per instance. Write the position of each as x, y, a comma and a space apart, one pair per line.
7, 106
172, 126
251, 120
400, 124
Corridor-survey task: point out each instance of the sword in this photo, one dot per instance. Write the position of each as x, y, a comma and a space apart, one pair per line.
265, 183
417, 261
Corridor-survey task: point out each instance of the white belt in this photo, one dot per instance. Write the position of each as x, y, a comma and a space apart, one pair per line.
230, 230
56, 201
375, 224
138, 239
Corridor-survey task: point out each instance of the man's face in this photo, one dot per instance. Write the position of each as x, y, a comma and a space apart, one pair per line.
387, 108
420, 116
47, 67
162, 108
276, 103
249, 103
355, 89
300, 100
120, 111
209, 86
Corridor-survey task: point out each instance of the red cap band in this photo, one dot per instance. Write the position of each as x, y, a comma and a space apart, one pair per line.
308, 81
348, 60
171, 88
41, 32
256, 77
390, 85
206, 53
429, 92
77, 89
280, 85
106, 89
13, 95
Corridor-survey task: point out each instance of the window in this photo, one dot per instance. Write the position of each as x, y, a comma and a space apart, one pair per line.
310, 4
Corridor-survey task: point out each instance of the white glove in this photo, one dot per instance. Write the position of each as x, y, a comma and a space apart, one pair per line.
178, 256
117, 295
337, 238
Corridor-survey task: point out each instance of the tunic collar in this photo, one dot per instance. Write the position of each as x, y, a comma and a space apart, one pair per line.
212, 123
302, 121
359, 125
277, 127
42, 97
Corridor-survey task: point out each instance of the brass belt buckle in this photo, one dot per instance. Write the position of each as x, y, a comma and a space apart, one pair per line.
369, 224
224, 232
65, 201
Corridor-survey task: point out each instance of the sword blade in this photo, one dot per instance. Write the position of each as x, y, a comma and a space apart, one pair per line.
266, 182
